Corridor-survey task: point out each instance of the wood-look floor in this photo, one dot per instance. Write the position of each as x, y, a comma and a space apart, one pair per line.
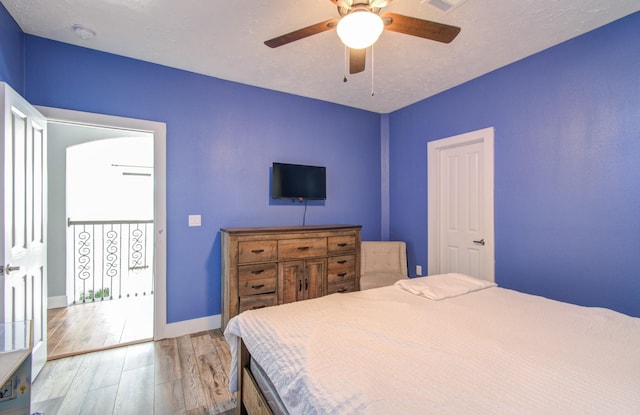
185, 375
83, 328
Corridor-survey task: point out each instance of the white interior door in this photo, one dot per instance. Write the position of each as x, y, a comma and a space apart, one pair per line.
24, 250
460, 176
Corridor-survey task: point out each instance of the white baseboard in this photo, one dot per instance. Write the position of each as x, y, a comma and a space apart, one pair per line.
57, 302
190, 326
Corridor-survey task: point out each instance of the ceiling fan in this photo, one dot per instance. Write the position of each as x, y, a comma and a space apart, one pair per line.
362, 18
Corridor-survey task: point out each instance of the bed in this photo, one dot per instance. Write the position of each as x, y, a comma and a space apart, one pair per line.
446, 344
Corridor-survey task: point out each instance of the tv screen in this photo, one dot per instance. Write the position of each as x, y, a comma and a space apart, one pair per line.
293, 181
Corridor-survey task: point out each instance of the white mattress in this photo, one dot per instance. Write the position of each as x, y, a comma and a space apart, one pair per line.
493, 351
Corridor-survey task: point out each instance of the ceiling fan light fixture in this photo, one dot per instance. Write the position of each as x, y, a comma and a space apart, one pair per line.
360, 29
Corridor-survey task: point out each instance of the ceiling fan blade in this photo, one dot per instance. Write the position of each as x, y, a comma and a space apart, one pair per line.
357, 59
342, 3
302, 33
422, 28
379, 4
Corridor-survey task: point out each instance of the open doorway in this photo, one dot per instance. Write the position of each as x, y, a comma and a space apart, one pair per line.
102, 231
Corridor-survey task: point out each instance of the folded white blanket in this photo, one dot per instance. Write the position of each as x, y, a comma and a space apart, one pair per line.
441, 286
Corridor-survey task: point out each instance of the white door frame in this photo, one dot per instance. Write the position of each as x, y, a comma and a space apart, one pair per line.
486, 137
159, 131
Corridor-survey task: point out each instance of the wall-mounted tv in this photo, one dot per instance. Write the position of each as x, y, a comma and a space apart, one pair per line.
295, 181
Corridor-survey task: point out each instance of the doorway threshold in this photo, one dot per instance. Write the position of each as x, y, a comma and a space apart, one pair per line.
99, 325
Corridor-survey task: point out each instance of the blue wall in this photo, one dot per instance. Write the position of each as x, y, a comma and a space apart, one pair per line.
567, 146
11, 52
221, 140
567, 167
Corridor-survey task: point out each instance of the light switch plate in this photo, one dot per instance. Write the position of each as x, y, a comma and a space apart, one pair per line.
195, 220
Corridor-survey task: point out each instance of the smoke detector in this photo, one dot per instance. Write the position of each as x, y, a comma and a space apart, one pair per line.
83, 32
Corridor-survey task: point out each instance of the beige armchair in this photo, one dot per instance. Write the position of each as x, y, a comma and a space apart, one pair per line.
382, 263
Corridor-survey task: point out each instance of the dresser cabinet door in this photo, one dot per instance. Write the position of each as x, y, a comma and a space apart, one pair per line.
314, 278
301, 280
290, 278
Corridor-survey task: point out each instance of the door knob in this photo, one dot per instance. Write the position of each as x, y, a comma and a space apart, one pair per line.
480, 242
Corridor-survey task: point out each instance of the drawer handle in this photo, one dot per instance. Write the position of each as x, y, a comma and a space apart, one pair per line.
255, 307
257, 271
257, 251
342, 290
342, 262
342, 244
342, 274
303, 248
257, 286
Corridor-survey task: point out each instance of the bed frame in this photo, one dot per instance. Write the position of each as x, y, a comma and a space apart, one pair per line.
250, 399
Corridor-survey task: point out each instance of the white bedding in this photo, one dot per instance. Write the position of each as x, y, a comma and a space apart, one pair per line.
493, 351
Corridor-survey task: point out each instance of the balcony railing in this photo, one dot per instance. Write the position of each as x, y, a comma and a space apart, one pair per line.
111, 259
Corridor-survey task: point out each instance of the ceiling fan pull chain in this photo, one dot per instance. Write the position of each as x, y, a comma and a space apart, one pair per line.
372, 72
346, 59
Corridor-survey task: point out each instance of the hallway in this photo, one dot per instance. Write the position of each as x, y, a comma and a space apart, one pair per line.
99, 325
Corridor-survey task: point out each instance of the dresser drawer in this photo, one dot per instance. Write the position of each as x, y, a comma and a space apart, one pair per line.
257, 251
341, 275
341, 287
257, 279
302, 248
338, 244
343, 261
253, 302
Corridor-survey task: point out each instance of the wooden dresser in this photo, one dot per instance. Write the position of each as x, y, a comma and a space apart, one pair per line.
276, 265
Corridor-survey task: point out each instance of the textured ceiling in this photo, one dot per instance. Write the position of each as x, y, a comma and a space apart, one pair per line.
225, 39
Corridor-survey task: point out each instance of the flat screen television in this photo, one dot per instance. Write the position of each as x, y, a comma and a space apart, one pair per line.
295, 181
